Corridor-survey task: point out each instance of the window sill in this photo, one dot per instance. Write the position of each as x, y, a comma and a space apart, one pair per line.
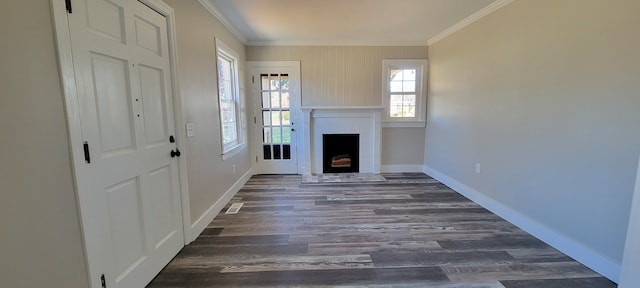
233, 151
418, 124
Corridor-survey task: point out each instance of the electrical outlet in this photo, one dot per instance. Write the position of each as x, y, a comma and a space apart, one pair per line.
477, 168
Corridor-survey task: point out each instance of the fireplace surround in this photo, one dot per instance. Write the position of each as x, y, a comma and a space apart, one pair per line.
361, 120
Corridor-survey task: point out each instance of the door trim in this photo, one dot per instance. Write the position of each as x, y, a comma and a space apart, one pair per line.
255, 112
72, 111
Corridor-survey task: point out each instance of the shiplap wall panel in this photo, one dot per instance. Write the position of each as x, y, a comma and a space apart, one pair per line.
339, 75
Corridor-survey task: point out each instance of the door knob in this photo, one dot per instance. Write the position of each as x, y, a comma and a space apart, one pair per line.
175, 153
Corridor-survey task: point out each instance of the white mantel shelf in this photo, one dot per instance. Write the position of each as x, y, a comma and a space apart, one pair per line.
341, 108
362, 120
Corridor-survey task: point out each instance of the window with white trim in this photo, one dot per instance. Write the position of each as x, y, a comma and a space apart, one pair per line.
404, 92
229, 98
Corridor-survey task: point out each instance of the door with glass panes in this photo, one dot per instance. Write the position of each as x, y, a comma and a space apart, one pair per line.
276, 94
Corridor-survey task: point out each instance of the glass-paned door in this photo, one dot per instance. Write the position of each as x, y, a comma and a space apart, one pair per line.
276, 96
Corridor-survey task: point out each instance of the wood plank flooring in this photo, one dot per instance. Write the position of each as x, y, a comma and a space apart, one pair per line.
410, 231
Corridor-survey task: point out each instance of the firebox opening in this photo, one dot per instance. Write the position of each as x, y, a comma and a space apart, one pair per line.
340, 153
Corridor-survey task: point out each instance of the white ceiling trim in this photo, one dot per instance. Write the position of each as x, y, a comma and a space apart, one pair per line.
467, 21
341, 43
223, 20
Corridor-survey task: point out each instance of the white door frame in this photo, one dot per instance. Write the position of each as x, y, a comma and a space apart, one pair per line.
301, 146
67, 74
631, 259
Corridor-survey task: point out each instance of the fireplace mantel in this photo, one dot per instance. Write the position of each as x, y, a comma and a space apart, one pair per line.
362, 120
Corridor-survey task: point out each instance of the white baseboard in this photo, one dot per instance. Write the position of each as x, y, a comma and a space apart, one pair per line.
400, 168
587, 256
206, 218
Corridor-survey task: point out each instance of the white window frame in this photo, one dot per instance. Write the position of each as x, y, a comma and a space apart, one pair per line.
231, 148
421, 67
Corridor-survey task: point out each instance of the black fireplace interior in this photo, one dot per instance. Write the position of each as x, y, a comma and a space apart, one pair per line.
340, 153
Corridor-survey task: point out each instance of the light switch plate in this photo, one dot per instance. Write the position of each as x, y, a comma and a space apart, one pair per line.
189, 129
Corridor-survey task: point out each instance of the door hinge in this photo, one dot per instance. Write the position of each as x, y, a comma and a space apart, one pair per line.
102, 281
253, 79
87, 155
255, 121
69, 8
256, 159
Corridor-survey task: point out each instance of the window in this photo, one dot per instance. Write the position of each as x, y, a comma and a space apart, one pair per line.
404, 92
229, 98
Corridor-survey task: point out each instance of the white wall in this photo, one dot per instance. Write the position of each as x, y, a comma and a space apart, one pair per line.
209, 176
544, 95
40, 239
351, 76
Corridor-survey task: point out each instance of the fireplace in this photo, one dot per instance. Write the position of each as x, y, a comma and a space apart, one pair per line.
340, 153
363, 121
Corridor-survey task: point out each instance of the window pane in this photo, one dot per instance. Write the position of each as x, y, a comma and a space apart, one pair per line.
275, 118
410, 99
264, 82
224, 69
265, 100
274, 82
408, 111
408, 86
284, 82
409, 106
266, 118
276, 151
229, 132
266, 152
396, 86
395, 106
286, 118
266, 135
228, 95
275, 99
409, 74
227, 109
285, 100
286, 151
286, 135
395, 75
395, 111
276, 135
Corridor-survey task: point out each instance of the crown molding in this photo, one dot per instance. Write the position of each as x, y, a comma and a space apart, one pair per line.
212, 9
467, 21
337, 43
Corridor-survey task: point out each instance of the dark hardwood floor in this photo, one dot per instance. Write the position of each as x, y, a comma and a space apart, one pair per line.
410, 231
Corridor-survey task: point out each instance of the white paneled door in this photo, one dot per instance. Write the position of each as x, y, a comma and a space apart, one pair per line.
276, 94
130, 191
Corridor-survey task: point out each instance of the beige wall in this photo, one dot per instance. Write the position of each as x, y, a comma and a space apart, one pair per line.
351, 76
40, 238
209, 176
544, 94
402, 146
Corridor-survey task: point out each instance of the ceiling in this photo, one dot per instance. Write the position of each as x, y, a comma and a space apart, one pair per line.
343, 22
